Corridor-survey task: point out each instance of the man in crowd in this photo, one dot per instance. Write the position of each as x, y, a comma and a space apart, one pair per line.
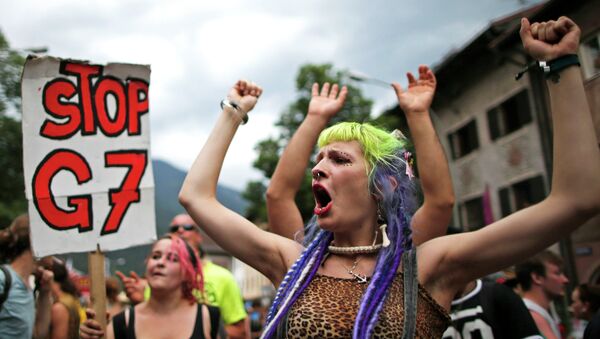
542, 280
490, 310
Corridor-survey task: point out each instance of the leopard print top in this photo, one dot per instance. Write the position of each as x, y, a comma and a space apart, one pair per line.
329, 305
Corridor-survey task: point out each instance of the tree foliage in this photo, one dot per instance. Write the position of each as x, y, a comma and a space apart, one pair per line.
12, 197
255, 194
11, 65
357, 108
268, 156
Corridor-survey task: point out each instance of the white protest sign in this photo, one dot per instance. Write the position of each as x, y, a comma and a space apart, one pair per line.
86, 154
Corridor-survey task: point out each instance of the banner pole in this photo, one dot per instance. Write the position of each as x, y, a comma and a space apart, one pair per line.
98, 288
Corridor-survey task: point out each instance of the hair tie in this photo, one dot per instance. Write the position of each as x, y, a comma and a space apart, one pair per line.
398, 135
409, 164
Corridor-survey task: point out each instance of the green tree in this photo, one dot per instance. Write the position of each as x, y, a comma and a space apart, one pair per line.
11, 65
254, 193
357, 108
12, 196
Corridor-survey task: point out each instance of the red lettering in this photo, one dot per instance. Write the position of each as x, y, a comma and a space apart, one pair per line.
55, 217
84, 72
137, 95
92, 109
129, 192
54, 92
110, 86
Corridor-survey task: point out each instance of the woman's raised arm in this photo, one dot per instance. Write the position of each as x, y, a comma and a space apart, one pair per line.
432, 218
575, 193
283, 213
268, 253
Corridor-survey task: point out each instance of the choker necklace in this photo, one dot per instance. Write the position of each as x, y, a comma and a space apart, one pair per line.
354, 249
361, 279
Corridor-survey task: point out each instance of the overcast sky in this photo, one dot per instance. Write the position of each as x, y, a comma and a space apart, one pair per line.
198, 49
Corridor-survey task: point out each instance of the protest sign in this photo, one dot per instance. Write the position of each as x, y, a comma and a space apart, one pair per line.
86, 153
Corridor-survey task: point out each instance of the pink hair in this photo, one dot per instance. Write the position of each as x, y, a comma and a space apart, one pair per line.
191, 268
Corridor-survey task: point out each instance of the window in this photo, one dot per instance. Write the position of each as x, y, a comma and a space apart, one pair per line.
472, 213
521, 195
509, 116
590, 55
464, 140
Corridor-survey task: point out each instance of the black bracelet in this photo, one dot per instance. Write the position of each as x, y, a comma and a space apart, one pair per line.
561, 63
553, 67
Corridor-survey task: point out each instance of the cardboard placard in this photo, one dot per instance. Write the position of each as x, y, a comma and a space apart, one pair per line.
86, 154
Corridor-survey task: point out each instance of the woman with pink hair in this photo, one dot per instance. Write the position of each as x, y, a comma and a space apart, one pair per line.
173, 271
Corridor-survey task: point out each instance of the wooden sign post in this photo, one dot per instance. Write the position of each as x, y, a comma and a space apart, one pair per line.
98, 286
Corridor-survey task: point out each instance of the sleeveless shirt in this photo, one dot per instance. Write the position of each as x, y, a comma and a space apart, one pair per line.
72, 305
126, 329
329, 305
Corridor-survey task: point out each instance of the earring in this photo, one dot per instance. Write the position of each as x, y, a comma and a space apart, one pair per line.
382, 226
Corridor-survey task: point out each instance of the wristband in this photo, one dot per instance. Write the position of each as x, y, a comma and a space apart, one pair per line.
233, 105
553, 67
559, 64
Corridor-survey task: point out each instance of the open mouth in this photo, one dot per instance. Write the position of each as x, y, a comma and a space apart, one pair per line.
322, 199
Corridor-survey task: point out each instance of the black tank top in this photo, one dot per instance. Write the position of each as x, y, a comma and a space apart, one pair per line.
125, 330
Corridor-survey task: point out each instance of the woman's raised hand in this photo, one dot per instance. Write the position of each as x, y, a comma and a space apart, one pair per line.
245, 94
328, 102
419, 94
549, 40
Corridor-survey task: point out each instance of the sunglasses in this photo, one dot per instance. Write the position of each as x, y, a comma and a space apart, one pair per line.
175, 228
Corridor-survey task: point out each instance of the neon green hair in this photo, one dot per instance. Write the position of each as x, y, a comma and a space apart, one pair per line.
378, 145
